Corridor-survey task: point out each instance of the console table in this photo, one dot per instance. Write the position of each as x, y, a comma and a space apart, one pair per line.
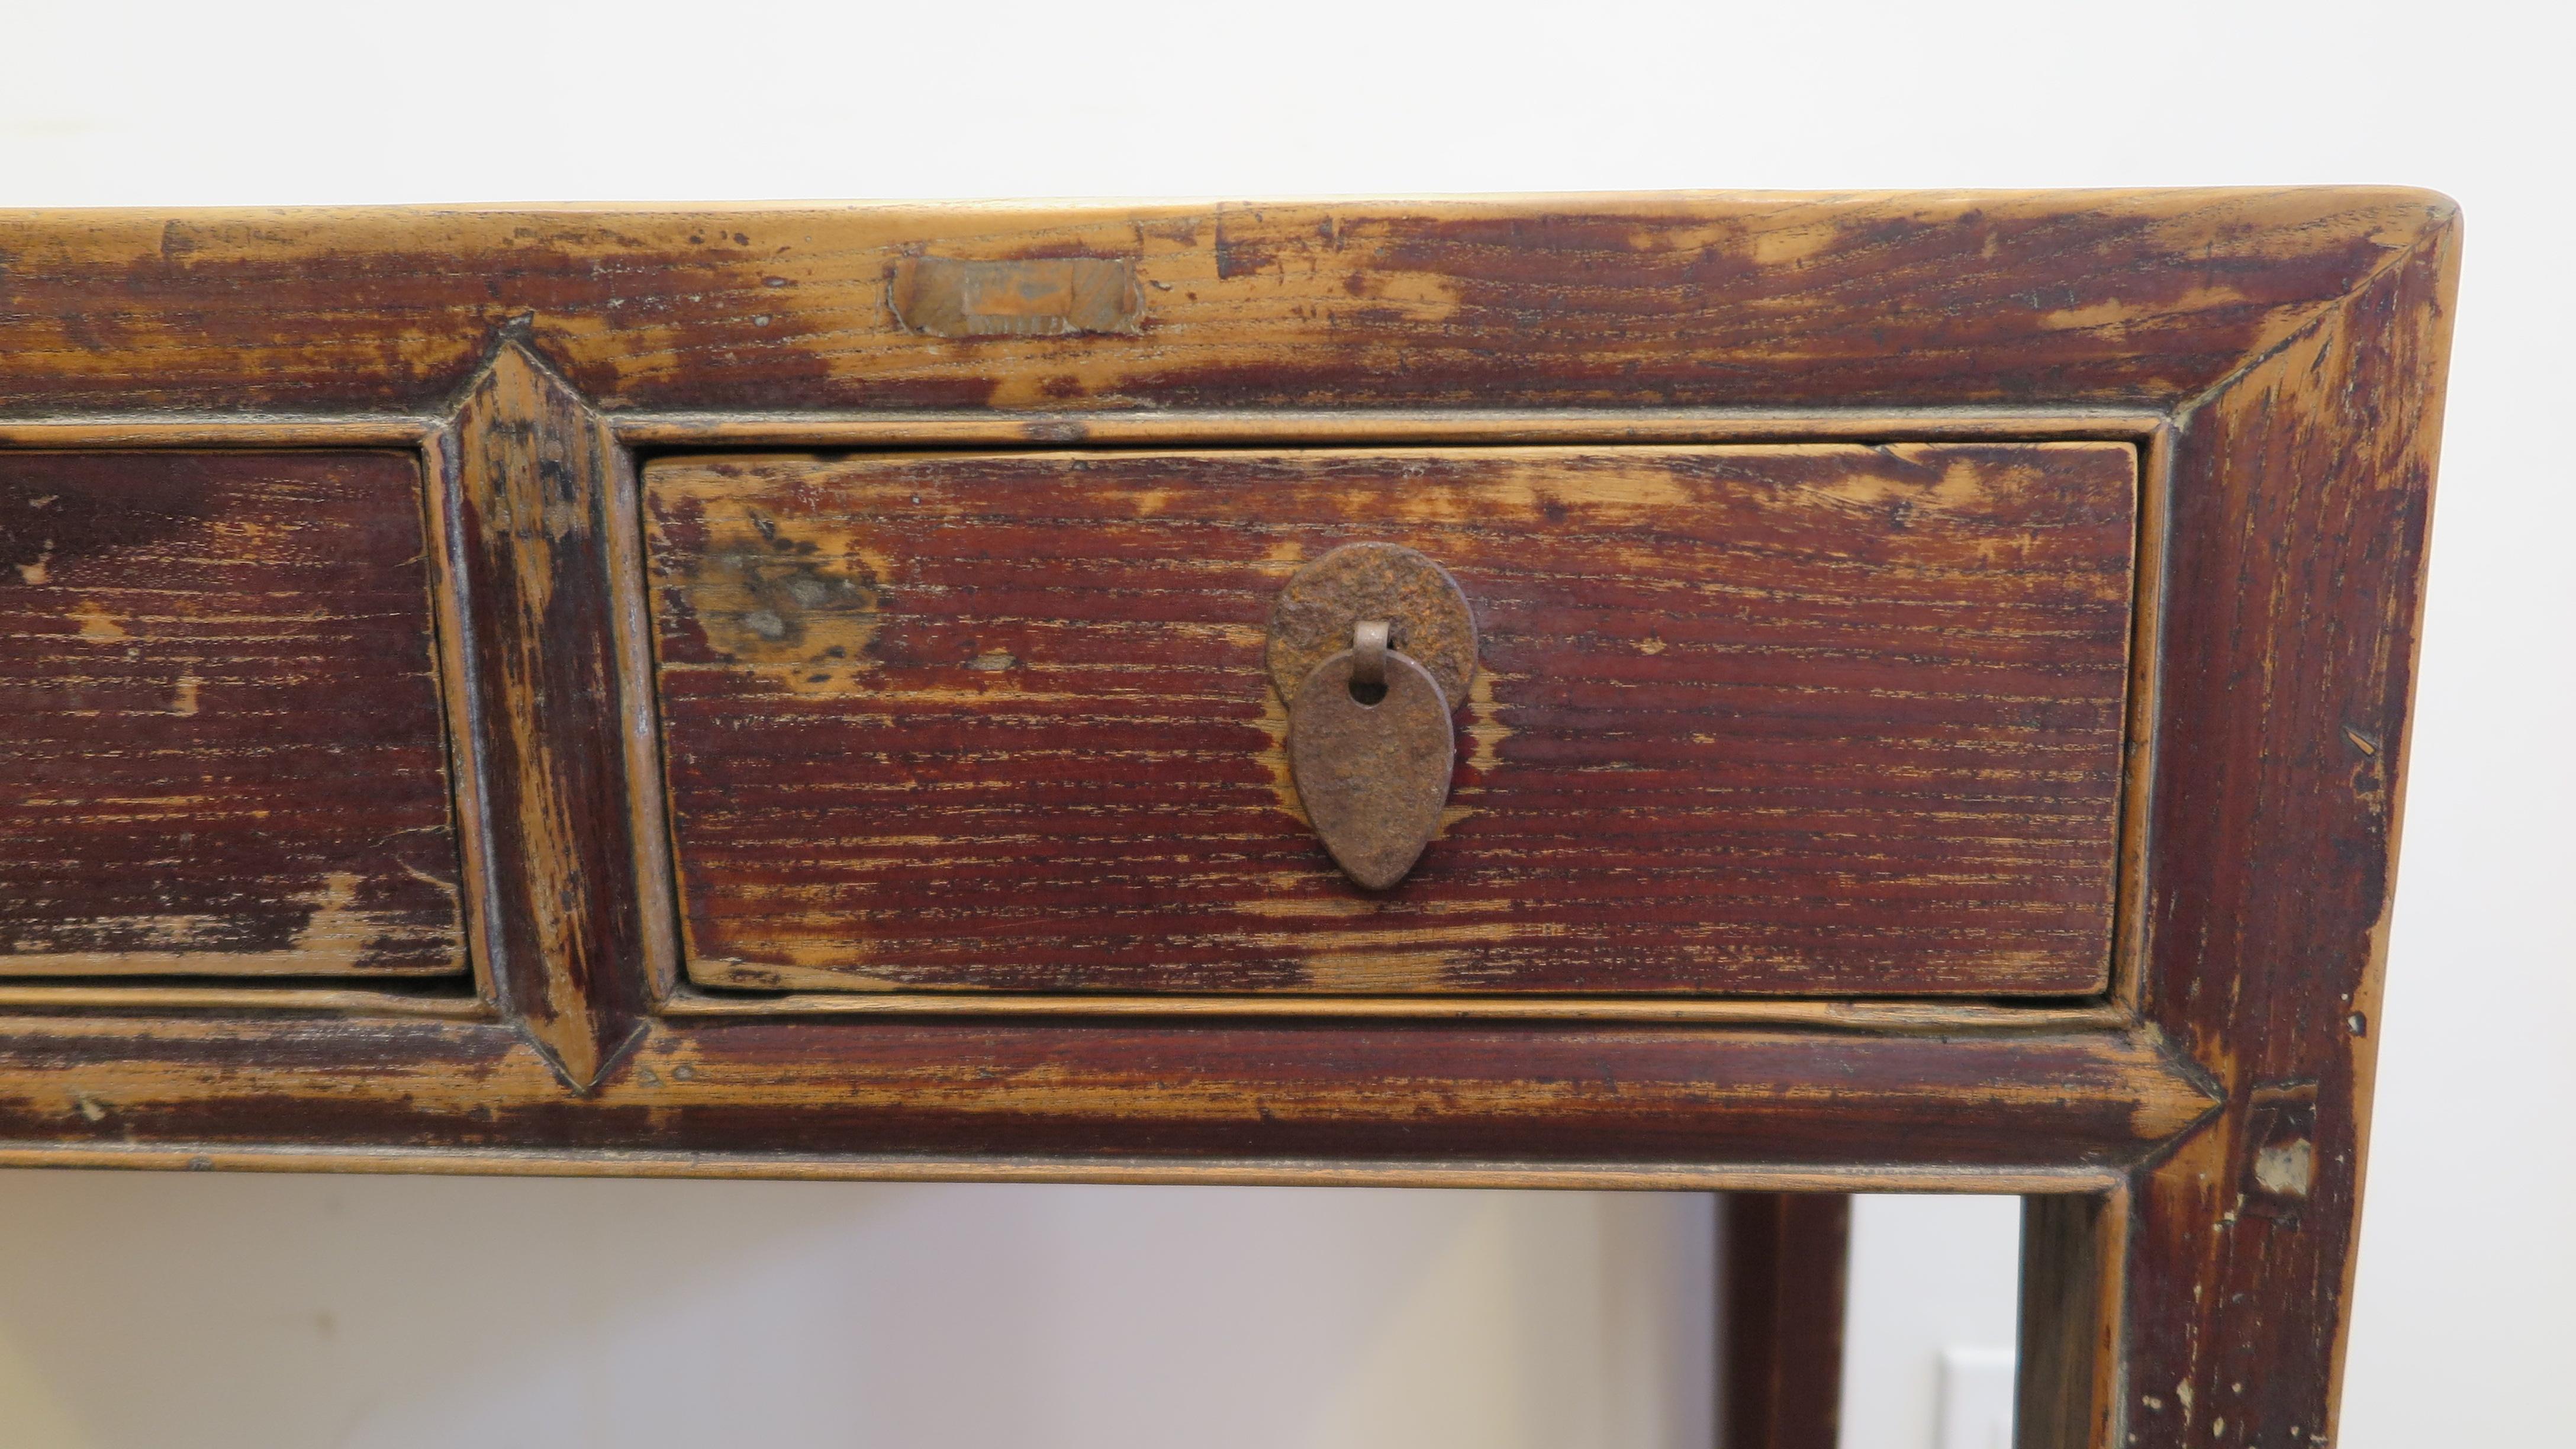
1780, 694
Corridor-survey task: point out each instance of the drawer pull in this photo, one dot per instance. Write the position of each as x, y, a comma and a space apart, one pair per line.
1372, 761
1369, 646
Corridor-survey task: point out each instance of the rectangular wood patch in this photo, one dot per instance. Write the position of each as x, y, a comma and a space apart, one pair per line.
1039, 297
1815, 719
219, 718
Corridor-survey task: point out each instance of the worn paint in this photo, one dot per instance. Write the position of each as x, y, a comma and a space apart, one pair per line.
1042, 297
219, 703
2292, 339
1873, 751
2304, 485
799, 606
1926, 298
534, 466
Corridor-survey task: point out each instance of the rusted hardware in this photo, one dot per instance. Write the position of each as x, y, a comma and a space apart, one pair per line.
1373, 776
1426, 614
1368, 650
1370, 740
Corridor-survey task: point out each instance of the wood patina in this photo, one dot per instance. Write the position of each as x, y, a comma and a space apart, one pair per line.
384, 599
1778, 719
219, 712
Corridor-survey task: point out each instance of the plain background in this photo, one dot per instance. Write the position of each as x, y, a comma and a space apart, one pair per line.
289, 1312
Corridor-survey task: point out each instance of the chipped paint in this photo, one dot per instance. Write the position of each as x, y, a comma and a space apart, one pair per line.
97, 625
800, 605
202, 787
1367, 972
2286, 1168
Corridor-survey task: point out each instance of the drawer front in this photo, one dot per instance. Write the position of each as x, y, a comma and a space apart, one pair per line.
1811, 719
221, 751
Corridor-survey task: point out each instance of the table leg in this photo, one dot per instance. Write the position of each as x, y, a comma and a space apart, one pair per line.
1784, 1261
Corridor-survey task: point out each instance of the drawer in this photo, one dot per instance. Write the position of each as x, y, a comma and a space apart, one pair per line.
1827, 719
220, 719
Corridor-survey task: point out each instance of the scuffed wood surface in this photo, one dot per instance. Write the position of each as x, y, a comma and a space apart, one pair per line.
534, 469
2291, 340
220, 741
1824, 719
1295, 1096
2297, 586
1696, 300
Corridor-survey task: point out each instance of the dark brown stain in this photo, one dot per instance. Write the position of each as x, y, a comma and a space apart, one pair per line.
767, 596
788, 597
1786, 1269
1241, 253
220, 709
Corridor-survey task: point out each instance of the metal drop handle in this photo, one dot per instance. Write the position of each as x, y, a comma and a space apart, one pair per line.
1371, 743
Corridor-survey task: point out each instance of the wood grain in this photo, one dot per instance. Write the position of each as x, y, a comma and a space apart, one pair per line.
2279, 353
2297, 586
2069, 1379
533, 471
220, 741
1825, 719
1675, 300
1286, 1098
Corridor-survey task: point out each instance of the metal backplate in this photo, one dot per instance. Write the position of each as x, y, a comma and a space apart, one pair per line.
1313, 618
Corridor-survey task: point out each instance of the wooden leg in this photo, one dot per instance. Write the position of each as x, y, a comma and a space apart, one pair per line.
1785, 1260
2202, 1303
2071, 1250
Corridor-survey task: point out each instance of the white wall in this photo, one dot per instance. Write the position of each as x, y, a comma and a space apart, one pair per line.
290, 1312
216, 1312
1927, 1273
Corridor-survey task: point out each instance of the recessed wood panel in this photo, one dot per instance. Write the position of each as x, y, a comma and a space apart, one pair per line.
220, 718
1820, 719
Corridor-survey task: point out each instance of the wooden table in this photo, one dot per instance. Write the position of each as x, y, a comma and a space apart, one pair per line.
790, 691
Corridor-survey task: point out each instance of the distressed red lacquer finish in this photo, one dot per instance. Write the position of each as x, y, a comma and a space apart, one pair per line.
2040, 840
220, 747
1779, 719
